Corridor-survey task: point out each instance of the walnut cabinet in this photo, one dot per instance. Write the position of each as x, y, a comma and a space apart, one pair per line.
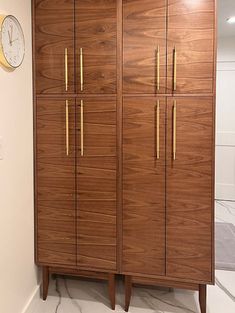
124, 102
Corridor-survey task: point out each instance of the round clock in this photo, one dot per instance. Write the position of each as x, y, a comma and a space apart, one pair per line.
12, 44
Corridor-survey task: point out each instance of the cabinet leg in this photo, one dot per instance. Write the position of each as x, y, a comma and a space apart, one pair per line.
112, 290
128, 289
45, 282
202, 298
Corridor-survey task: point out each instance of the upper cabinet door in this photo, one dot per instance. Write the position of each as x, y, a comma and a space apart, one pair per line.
54, 46
190, 46
189, 188
96, 35
144, 35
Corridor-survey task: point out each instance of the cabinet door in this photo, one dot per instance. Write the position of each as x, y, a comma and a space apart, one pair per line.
54, 46
144, 39
143, 186
190, 189
96, 35
55, 172
191, 34
96, 183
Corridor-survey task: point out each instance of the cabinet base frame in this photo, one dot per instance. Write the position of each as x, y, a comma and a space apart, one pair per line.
110, 277
129, 280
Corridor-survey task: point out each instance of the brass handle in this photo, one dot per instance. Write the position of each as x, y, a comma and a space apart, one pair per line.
81, 68
158, 68
175, 70
66, 69
67, 127
82, 128
174, 128
158, 130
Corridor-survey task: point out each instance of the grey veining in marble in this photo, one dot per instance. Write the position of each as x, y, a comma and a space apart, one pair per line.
225, 246
225, 290
228, 206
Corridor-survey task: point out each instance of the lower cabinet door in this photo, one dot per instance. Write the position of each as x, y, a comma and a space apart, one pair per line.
96, 183
144, 185
189, 188
55, 172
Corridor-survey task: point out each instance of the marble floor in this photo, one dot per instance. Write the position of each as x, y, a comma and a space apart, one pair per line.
79, 296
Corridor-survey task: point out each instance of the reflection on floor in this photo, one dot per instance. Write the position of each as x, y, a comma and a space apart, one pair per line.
78, 296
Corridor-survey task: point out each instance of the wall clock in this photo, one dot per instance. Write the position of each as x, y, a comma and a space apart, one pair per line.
12, 43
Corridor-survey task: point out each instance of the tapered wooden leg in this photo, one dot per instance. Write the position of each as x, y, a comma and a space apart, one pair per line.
112, 290
128, 289
45, 282
202, 298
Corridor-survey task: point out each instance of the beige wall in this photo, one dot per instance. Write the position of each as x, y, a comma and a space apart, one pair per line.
17, 271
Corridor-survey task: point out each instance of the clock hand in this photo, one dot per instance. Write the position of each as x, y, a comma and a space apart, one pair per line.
9, 35
11, 32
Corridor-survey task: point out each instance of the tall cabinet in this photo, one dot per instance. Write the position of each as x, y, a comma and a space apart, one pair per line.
75, 75
168, 144
124, 102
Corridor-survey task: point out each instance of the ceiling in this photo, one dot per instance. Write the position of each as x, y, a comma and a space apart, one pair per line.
226, 9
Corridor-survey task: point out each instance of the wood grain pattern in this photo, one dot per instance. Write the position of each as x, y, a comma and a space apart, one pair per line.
144, 29
56, 240
56, 223
51, 128
191, 31
143, 187
96, 185
96, 33
54, 31
189, 190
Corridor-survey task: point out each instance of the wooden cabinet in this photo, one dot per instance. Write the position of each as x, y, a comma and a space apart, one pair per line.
96, 38
144, 185
75, 73
189, 188
54, 46
124, 141
165, 43
75, 32
56, 234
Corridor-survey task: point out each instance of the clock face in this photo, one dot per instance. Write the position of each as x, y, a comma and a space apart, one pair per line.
12, 41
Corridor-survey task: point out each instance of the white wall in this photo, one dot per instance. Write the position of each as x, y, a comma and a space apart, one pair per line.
18, 278
225, 141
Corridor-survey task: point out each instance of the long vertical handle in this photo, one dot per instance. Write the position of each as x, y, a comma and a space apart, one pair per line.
158, 130
82, 128
175, 70
67, 126
174, 129
81, 69
66, 78
158, 68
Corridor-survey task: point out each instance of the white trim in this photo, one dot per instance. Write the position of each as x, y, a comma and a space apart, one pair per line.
225, 139
32, 302
226, 66
223, 191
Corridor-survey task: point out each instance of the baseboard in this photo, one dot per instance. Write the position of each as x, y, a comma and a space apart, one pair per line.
30, 307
